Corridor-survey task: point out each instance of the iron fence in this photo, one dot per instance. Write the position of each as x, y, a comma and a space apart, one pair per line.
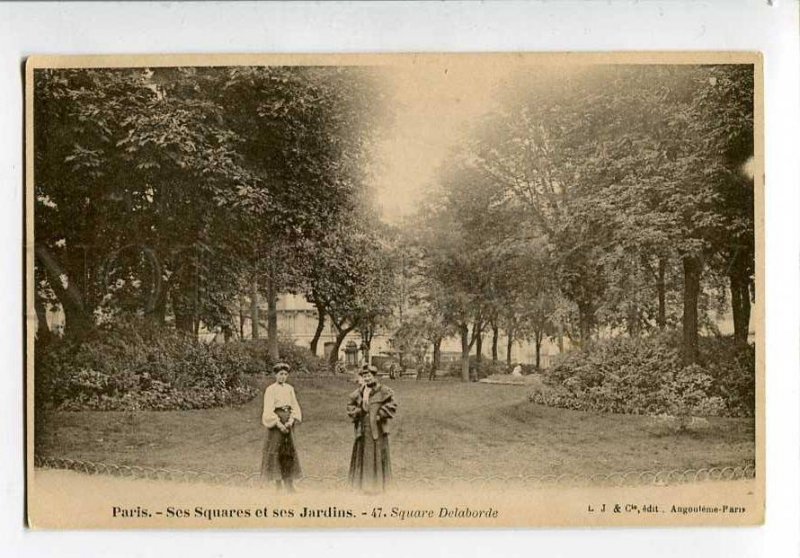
252, 479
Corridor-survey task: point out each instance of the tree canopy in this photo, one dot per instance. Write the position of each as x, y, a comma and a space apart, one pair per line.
599, 199
621, 186
163, 191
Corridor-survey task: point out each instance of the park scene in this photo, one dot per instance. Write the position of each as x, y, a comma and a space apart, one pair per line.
551, 266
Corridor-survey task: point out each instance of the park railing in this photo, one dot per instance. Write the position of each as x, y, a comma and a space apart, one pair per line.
253, 479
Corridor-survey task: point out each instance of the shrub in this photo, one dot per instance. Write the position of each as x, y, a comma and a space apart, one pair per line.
732, 368
256, 360
488, 368
138, 366
451, 369
484, 370
301, 359
647, 376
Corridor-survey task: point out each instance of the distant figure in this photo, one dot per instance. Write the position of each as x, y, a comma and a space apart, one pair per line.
279, 462
370, 407
517, 370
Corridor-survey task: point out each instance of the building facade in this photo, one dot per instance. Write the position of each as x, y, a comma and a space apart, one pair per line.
297, 320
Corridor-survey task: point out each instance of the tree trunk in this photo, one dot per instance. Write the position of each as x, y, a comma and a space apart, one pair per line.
509, 345
77, 319
241, 317
495, 335
196, 299
538, 341
560, 335
157, 312
272, 319
337, 343
746, 310
736, 307
366, 340
478, 332
740, 303
464, 330
586, 318
691, 293
196, 325
76, 322
254, 323
633, 320
437, 355
43, 333
750, 293
182, 296
184, 321
320, 327
661, 320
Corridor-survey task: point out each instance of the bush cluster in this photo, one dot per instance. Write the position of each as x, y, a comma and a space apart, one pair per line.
479, 371
647, 376
137, 366
732, 369
301, 359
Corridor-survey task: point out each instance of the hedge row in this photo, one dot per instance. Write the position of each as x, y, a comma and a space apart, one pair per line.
138, 366
647, 376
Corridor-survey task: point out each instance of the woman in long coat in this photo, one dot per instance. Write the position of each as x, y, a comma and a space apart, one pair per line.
370, 407
281, 413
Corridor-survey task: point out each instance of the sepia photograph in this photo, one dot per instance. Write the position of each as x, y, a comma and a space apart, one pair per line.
393, 291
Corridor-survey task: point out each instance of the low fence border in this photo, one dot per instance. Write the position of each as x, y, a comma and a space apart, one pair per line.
668, 477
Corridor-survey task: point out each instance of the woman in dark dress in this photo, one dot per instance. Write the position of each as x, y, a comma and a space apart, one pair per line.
370, 407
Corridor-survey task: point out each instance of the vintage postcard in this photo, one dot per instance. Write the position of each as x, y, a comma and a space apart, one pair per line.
395, 291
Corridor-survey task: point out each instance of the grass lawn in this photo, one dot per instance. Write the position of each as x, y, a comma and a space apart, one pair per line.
443, 428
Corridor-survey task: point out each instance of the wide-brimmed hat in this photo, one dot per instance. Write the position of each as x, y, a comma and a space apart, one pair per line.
368, 368
280, 366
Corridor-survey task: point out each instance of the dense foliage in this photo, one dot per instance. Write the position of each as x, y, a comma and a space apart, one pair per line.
185, 196
176, 193
478, 370
137, 366
599, 200
648, 376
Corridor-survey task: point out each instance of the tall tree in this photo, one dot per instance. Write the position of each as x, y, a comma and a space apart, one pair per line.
637, 157
306, 132
157, 190
117, 159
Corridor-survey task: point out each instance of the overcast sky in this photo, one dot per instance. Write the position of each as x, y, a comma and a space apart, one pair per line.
434, 104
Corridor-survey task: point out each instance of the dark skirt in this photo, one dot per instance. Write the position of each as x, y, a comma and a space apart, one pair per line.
370, 466
279, 460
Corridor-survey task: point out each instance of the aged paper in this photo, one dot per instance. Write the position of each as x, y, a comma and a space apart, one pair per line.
121, 443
